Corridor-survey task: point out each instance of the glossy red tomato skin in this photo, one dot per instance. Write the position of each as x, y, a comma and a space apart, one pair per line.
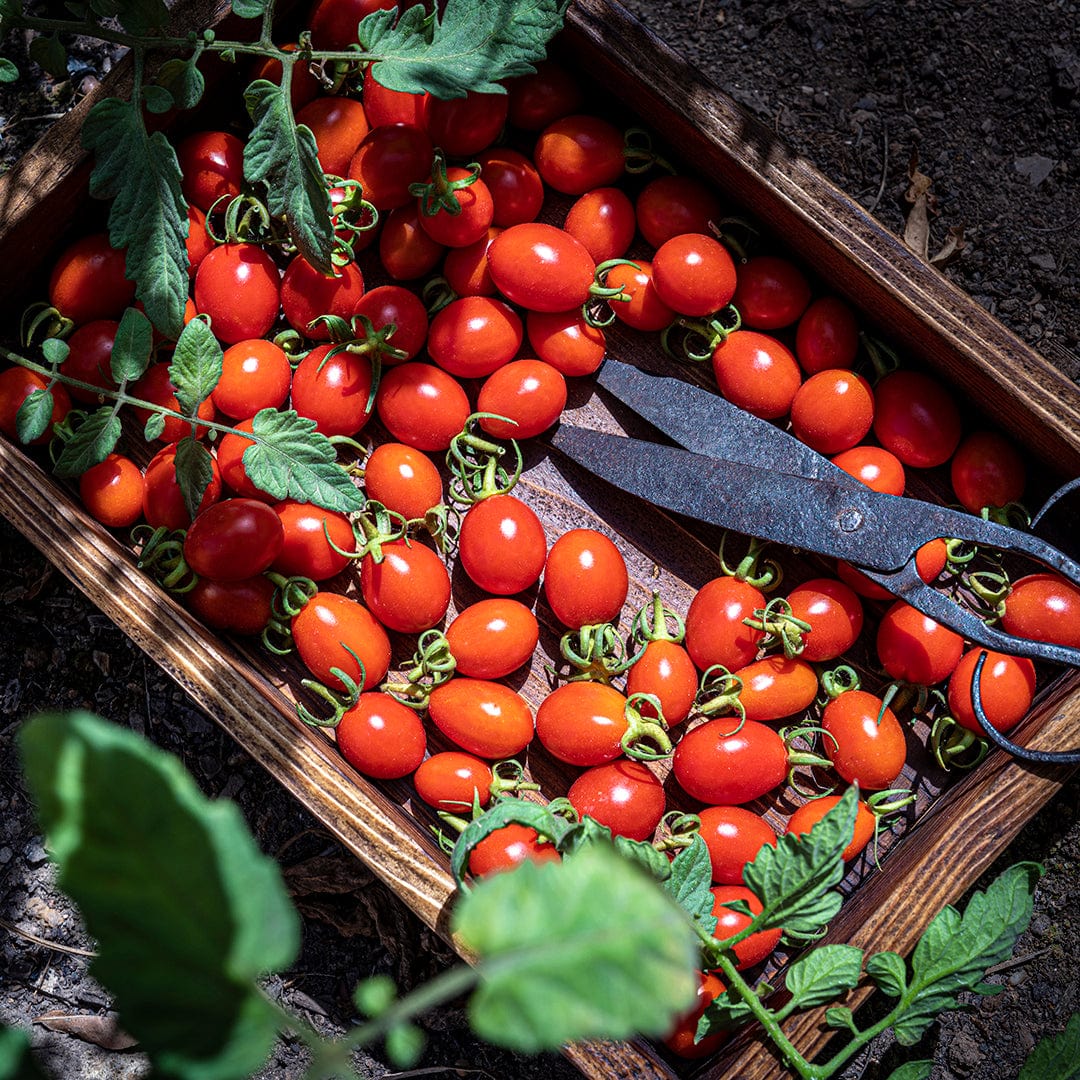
757, 372
734, 836
721, 768
339, 125
578, 153
334, 391
89, 358
715, 632
775, 687
474, 335
421, 405
403, 479
329, 629
1006, 689
87, 281
255, 374
303, 86
867, 746
643, 310
565, 340
835, 615
394, 304
230, 459
877, 468
472, 219
154, 385
383, 106
810, 813
233, 607
772, 292
406, 250
508, 847
624, 795
827, 336
380, 737
451, 780
466, 268
832, 410
914, 648
670, 205
390, 158
1043, 607
602, 221
239, 287
307, 552
754, 949
212, 167
665, 670
233, 539
501, 545
163, 503
694, 274
916, 418
582, 723
585, 578
987, 471
482, 717
682, 1040
112, 491
530, 393
516, 188
491, 638
333, 22
464, 126
409, 590
307, 293
16, 385
542, 96
540, 267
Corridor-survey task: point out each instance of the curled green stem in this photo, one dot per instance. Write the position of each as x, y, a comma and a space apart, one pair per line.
596, 652
340, 701
779, 627
657, 622
753, 568
645, 739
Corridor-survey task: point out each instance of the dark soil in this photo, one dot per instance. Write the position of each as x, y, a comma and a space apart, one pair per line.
985, 95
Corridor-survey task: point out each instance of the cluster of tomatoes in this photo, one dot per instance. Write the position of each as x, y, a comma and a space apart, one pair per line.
483, 313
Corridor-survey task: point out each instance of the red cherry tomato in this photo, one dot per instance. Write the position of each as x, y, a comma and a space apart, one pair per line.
582, 723
199, 243
541, 267
665, 670
930, 560
112, 491
514, 183
772, 292
1006, 689
491, 638
452, 779
580, 152
623, 795
422, 405
670, 205
409, 589
874, 466
230, 459
239, 287
827, 336
529, 393
333, 22
383, 106
89, 358
333, 390
542, 96
154, 385
602, 220
403, 479
87, 281
721, 767
757, 372
406, 250
307, 293
501, 545
810, 813
339, 124
734, 836
566, 341
212, 167
233, 539
380, 737
694, 274
395, 305
508, 847
484, 718
335, 631
916, 418
163, 502
756, 947
585, 578
472, 218
466, 268
463, 126
867, 745
987, 471
832, 410
835, 615
233, 607
1043, 607
682, 1038
643, 310
776, 687
303, 86
16, 385
914, 648
255, 374
715, 631
311, 536
390, 158
474, 335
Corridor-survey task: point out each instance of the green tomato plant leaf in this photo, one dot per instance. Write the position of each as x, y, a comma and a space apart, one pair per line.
470, 47
913, 1070
1056, 1057
34, 415
141, 17
94, 440
157, 99
690, 883
250, 9
194, 466
823, 974
557, 966
196, 366
15, 1060
8, 71
154, 427
651, 859
48, 52
282, 155
55, 350
183, 80
148, 216
162, 874
132, 346
889, 972
725, 1012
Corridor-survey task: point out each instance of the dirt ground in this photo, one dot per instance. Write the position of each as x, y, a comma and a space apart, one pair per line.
986, 94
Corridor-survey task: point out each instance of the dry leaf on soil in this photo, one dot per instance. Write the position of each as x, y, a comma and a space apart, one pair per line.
103, 1031
917, 228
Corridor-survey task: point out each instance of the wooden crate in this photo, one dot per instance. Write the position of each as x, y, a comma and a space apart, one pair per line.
959, 826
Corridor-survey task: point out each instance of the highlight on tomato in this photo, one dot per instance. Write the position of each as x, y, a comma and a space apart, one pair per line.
502, 546
1006, 690
452, 780
335, 631
625, 796
757, 947
112, 491
493, 637
233, 539
482, 717
723, 763
380, 737
865, 742
585, 578
408, 589
733, 836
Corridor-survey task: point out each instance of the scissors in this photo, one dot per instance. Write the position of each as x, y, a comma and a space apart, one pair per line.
739, 472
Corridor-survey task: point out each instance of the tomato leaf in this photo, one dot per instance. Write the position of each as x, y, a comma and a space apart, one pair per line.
690, 882
953, 954
841, 1018
556, 965
132, 346
913, 1070
55, 350
250, 9
141, 17
183, 80
282, 155
157, 99
1056, 1058
889, 972
194, 471
48, 52
15, 1060
822, 974
291, 460
34, 415
470, 46
655, 862
725, 1012
148, 216
206, 905
196, 366
94, 440
154, 427
795, 880
8, 71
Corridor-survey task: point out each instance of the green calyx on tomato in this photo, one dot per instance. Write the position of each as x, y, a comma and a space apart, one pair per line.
478, 462
596, 652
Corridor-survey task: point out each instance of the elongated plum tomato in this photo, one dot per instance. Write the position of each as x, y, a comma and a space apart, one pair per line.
312, 536
230, 458
390, 158
234, 607
776, 687
339, 124
421, 405
1006, 688
603, 221
16, 385
914, 648
409, 589
403, 479
772, 292
474, 335
466, 268
865, 742
834, 612
827, 335
987, 471
307, 294
493, 637
566, 341
335, 631
682, 1038
451, 780
406, 251
832, 410
508, 847
112, 491
87, 281
255, 374
757, 372
239, 287
715, 631
670, 205
473, 216
387, 305
463, 126
334, 22
333, 389
582, 723
542, 96
756, 947
1043, 607
530, 394
89, 358
733, 836
501, 545
877, 468
380, 737
579, 152
383, 106
916, 418
666, 671
722, 767
810, 813
233, 539
163, 501
624, 795
541, 267
694, 274
155, 385
585, 578
212, 166
482, 717
637, 304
